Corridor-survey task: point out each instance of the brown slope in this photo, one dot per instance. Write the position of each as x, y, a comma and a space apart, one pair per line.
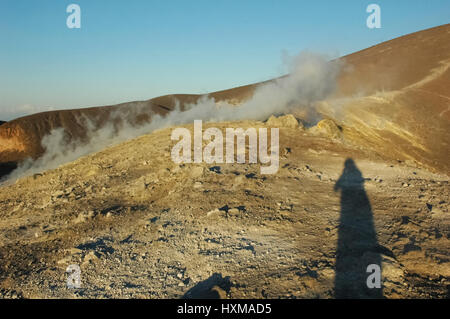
396, 64
391, 65
404, 111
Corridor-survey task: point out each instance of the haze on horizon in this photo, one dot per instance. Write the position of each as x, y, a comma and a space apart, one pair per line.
139, 50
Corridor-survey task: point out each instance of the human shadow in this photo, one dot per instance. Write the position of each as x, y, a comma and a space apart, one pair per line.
357, 246
210, 288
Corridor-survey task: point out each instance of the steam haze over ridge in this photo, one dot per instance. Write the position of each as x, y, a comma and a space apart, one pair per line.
312, 78
381, 101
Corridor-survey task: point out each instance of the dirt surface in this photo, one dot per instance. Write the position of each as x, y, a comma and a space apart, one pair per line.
139, 225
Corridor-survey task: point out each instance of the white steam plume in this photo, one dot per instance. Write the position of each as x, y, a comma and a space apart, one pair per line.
312, 78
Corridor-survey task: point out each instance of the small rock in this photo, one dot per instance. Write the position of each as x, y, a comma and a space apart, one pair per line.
212, 212
92, 256
84, 217
176, 169
215, 169
198, 185
328, 127
74, 251
288, 121
65, 260
57, 194
197, 171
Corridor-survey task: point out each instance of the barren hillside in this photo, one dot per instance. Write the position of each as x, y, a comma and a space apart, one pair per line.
140, 225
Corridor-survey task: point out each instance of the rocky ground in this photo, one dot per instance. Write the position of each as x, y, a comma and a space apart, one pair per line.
141, 226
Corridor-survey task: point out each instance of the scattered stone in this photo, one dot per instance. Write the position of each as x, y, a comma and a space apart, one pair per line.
197, 171
287, 121
327, 127
213, 212
215, 169
286, 152
85, 216
437, 213
74, 251
92, 256
238, 180
176, 169
65, 260
392, 271
198, 184
57, 194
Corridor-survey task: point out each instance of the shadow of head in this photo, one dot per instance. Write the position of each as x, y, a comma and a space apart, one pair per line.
351, 176
352, 171
215, 287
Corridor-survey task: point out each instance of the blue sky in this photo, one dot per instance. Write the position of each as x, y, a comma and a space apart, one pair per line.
139, 49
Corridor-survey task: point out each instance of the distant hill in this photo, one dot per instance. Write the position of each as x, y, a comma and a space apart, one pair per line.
21, 138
